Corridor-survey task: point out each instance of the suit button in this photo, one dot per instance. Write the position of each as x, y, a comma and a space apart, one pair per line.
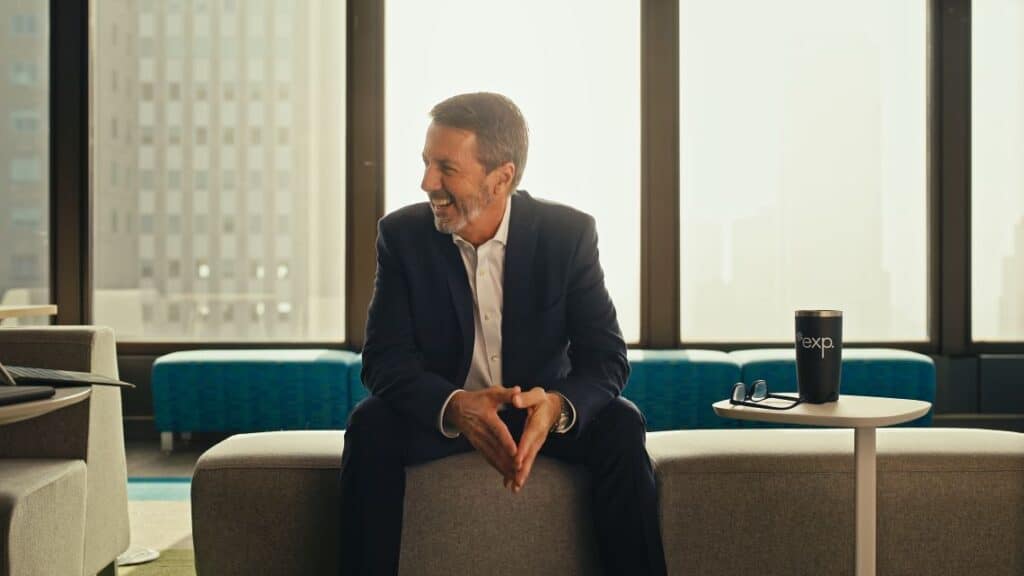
494, 358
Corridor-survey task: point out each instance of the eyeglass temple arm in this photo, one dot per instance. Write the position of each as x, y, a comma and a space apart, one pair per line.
767, 406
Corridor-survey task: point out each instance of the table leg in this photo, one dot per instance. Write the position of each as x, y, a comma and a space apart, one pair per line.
864, 452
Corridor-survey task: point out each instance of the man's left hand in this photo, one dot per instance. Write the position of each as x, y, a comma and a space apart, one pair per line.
542, 411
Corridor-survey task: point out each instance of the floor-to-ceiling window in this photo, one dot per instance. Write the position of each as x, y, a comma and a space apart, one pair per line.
997, 170
24, 154
218, 169
572, 66
803, 167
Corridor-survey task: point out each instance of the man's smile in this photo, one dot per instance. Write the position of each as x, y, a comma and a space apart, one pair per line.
441, 204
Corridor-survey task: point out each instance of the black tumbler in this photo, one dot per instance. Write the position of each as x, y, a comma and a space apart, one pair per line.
819, 354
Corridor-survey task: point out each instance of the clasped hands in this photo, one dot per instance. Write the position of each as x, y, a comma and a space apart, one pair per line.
475, 414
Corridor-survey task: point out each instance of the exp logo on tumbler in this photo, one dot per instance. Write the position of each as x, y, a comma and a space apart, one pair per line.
823, 343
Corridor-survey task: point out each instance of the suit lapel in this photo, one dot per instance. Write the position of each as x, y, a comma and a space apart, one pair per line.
462, 297
519, 249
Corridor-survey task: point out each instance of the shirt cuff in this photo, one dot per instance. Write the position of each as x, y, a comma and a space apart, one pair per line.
572, 419
450, 432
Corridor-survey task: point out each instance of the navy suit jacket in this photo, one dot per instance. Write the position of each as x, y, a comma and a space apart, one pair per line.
559, 328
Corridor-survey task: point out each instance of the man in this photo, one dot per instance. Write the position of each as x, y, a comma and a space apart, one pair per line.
490, 328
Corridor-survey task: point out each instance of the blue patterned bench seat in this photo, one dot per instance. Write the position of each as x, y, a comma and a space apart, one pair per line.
250, 390
866, 372
675, 388
258, 390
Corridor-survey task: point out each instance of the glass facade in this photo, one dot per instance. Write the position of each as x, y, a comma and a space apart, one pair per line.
997, 173
803, 168
24, 156
218, 150
572, 67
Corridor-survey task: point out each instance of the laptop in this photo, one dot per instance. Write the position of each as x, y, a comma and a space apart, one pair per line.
22, 375
16, 394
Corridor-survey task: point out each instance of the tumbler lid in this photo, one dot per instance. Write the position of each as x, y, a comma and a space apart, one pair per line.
819, 313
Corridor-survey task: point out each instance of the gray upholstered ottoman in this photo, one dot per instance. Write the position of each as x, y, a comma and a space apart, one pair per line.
950, 501
42, 517
267, 503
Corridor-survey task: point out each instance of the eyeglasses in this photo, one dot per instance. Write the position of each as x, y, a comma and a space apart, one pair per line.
757, 392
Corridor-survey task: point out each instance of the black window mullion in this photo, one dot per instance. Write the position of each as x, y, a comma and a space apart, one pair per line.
70, 204
365, 154
952, 45
659, 213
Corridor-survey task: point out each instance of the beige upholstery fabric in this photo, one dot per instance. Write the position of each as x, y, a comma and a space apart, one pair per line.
42, 517
268, 504
460, 520
950, 501
270, 500
92, 430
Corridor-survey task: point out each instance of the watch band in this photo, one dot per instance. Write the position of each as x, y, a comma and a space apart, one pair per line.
561, 425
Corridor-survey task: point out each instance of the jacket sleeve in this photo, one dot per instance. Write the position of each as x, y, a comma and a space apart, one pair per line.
597, 353
392, 361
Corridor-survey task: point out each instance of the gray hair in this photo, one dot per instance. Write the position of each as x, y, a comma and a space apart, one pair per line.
501, 132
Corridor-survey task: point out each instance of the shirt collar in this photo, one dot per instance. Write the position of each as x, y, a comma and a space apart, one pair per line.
502, 233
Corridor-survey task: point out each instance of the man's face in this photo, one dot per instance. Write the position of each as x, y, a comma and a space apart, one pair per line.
460, 191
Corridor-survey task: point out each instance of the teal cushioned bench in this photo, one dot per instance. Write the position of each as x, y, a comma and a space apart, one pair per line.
251, 390
673, 388
866, 372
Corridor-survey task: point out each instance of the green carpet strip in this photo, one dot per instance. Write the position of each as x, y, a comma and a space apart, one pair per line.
159, 489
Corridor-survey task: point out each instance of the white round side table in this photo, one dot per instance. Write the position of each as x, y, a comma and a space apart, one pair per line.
862, 413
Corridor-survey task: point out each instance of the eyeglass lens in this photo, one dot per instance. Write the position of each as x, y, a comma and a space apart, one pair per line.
760, 391
739, 392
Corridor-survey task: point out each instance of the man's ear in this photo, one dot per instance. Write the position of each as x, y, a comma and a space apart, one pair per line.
505, 173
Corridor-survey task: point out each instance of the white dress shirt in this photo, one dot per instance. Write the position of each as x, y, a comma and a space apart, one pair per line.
485, 269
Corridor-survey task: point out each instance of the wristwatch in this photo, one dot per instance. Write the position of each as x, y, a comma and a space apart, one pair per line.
561, 426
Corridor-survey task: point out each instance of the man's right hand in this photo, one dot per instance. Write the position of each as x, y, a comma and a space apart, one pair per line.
475, 414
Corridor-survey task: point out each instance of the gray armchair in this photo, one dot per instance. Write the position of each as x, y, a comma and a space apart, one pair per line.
90, 431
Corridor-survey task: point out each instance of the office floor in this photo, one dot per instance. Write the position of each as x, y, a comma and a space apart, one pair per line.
145, 460
160, 523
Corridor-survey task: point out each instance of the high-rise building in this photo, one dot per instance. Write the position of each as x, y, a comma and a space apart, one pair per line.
217, 168
24, 156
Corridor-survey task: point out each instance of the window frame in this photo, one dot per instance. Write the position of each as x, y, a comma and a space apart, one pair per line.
930, 343
71, 261
959, 89
948, 180
70, 202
